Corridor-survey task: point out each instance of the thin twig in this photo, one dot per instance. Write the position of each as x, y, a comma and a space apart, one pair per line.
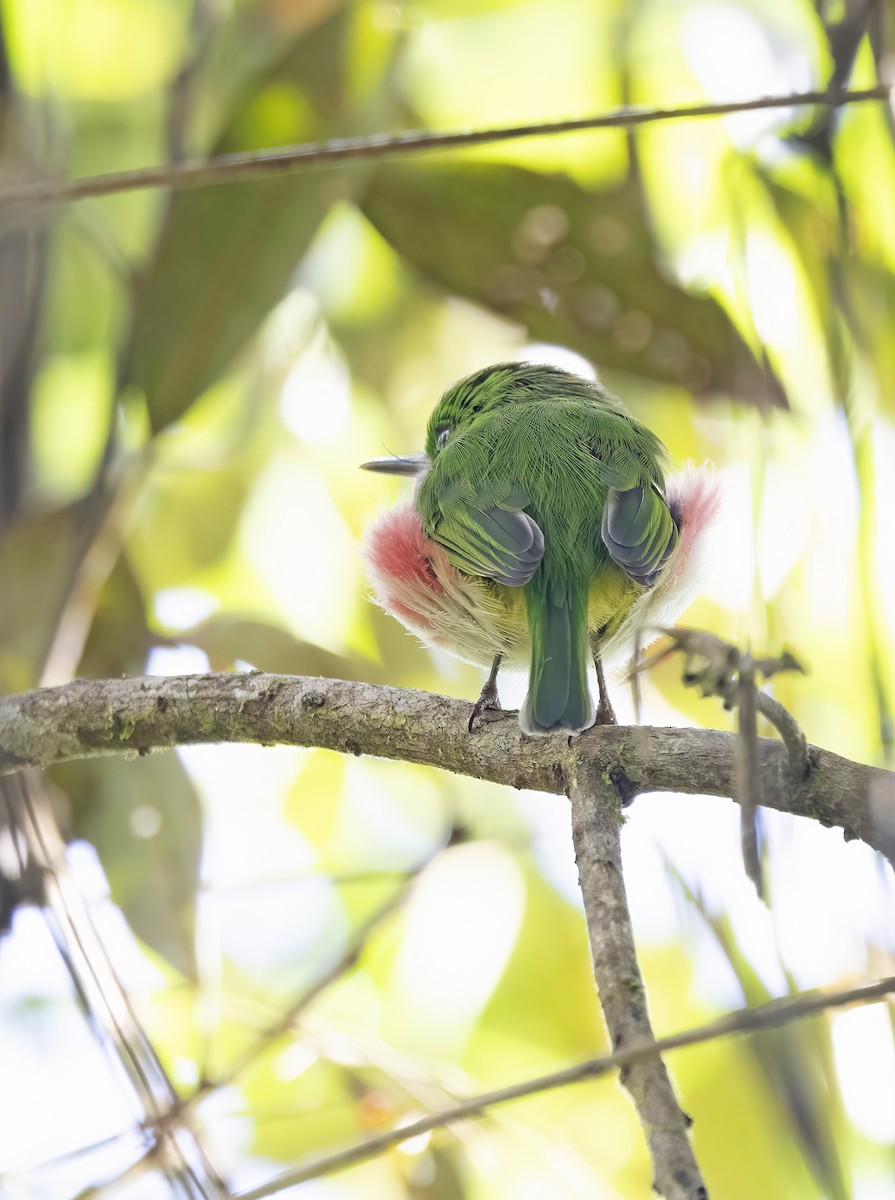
790, 732
596, 835
227, 168
718, 668
748, 1020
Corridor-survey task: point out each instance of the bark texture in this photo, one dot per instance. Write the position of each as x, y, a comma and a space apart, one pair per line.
93, 718
596, 829
601, 771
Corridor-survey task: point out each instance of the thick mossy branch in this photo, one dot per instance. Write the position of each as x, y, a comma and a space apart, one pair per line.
93, 718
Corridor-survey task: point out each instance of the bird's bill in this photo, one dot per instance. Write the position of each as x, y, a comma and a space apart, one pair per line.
399, 464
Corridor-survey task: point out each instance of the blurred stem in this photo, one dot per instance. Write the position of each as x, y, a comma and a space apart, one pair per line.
772, 1015
104, 1000
859, 421
23, 279
25, 199
102, 539
203, 22
596, 830
627, 23
797, 1063
860, 430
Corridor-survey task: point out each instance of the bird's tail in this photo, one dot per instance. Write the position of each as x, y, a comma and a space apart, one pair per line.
559, 695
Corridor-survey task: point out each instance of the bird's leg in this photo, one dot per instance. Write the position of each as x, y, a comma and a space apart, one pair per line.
488, 701
605, 714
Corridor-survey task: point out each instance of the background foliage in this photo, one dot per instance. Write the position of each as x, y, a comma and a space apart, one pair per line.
187, 384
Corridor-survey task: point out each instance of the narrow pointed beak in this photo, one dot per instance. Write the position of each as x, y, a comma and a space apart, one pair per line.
400, 464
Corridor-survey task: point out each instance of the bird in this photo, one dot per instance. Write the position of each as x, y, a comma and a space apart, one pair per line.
542, 532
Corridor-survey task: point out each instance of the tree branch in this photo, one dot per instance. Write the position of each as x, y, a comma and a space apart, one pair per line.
230, 167
95, 718
600, 771
596, 834
747, 1020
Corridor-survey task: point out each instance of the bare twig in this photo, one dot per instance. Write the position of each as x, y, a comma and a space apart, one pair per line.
596, 830
790, 732
718, 668
231, 167
749, 1020
94, 718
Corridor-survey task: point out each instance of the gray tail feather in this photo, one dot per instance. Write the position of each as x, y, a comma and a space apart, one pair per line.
559, 694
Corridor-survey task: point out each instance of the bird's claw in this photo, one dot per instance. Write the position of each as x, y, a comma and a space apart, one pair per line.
487, 707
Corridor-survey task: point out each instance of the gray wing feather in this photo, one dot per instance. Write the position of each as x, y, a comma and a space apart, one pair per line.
639, 550
502, 545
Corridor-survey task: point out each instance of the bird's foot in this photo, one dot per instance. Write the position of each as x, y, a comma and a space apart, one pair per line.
605, 713
487, 707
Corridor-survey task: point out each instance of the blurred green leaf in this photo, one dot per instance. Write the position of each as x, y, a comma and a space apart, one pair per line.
144, 819
316, 1110
225, 255
575, 267
189, 521
796, 1060
119, 641
871, 292
563, 1021
809, 219
845, 285
37, 561
436, 1175
23, 266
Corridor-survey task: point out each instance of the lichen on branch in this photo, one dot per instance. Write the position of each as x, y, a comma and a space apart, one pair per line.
95, 718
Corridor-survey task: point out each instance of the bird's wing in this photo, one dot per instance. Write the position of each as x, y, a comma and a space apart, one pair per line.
639, 531
501, 542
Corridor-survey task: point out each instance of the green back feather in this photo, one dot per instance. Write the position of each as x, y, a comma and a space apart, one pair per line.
543, 480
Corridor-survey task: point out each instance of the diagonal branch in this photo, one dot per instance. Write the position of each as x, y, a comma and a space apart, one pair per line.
229, 167
596, 834
95, 718
748, 1020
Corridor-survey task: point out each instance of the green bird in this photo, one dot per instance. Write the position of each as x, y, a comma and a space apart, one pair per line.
540, 527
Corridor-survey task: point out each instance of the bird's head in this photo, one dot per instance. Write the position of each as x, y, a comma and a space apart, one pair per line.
494, 387
478, 394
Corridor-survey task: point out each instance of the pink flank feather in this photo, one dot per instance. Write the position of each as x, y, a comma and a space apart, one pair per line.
412, 578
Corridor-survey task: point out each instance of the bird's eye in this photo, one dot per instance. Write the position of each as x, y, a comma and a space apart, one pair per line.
442, 436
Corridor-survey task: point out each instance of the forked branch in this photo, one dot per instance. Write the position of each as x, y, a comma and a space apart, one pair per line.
600, 770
